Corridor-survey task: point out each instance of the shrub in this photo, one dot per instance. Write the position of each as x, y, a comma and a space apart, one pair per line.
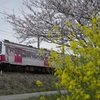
80, 72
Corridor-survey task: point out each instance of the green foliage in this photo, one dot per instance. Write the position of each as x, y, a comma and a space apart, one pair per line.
81, 73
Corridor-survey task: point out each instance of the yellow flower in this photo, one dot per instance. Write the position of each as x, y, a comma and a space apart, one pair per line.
57, 84
81, 70
89, 73
72, 82
58, 98
39, 83
98, 94
42, 98
86, 96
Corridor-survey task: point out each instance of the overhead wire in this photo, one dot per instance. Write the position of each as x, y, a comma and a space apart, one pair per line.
15, 11
5, 31
5, 34
3, 12
5, 28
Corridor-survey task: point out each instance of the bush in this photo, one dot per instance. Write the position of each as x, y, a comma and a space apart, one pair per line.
80, 72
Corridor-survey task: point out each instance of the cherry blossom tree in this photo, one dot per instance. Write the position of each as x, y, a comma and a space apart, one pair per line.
46, 16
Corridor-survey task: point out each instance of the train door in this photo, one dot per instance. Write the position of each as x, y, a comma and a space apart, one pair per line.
18, 55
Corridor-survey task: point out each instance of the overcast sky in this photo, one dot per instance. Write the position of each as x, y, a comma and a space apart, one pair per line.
6, 31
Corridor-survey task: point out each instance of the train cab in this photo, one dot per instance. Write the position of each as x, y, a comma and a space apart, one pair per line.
0, 47
2, 52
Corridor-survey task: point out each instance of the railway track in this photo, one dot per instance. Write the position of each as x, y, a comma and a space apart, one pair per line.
30, 69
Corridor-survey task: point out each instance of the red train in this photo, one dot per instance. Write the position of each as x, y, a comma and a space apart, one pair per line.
14, 56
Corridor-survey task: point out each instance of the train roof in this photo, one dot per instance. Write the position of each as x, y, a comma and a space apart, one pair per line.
7, 42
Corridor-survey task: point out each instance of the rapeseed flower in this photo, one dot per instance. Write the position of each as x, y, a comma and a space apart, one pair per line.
80, 74
42, 98
39, 83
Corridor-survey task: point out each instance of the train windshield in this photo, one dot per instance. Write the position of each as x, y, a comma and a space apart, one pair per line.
0, 46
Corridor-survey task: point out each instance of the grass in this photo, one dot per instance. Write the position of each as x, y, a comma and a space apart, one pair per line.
18, 83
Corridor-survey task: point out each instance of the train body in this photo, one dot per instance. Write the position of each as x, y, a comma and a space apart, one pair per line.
22, 55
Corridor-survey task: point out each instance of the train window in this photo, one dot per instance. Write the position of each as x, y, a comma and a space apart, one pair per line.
37, 55
28, 54
0, 46
7, 49
10, 50
18, 51
24, 53
45, 55
32, 54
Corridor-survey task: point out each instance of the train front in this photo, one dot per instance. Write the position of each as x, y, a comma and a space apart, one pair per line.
0, 50
2, 53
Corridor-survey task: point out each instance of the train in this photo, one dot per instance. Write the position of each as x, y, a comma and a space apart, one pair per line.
19, 57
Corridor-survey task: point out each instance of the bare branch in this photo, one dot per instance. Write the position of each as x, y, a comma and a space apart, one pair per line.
44, 14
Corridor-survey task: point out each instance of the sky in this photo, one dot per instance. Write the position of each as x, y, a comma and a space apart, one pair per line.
6, 31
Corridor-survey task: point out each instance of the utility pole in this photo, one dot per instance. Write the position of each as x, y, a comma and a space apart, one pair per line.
62, 39
38, 41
